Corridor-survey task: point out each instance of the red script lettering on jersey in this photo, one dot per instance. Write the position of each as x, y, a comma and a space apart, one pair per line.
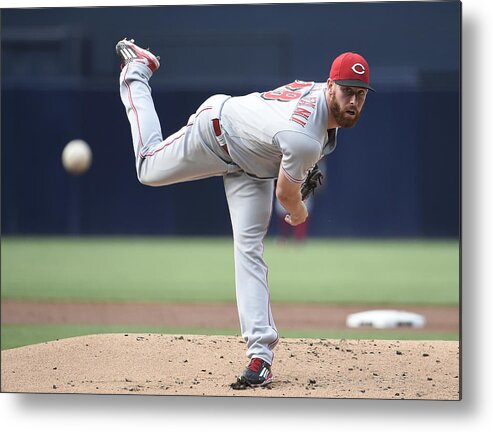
301, 114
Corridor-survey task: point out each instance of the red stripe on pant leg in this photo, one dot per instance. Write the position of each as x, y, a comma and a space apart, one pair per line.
271, 321
161, 148
132, 106
203, 109
272, 344
143, 156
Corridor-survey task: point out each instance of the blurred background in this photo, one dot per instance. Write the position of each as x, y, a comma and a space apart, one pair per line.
391, 190
395, 174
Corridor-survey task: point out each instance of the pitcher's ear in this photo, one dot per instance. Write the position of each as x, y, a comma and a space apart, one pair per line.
330, 86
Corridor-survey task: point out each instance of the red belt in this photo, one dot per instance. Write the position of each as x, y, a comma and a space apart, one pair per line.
218, 132
217, 127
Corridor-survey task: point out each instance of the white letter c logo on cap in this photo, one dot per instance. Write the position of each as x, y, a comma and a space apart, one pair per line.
358, 68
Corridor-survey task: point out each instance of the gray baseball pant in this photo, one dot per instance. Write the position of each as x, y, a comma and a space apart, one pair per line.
193, 153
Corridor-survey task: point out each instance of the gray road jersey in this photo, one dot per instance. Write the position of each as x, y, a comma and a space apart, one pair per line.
285, 127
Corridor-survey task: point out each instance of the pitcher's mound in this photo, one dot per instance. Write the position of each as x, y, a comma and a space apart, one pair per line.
157, 364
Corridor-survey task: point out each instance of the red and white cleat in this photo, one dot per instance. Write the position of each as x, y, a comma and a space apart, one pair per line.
128, 52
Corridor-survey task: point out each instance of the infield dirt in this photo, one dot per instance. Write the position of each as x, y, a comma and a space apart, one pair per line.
155, 364
210, 315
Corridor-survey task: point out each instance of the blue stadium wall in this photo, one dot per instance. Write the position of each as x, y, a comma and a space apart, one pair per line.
396, 174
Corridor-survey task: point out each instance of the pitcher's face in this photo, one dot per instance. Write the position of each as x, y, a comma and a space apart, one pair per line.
345, 103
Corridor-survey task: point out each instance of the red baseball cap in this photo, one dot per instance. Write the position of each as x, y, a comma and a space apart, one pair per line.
351, 69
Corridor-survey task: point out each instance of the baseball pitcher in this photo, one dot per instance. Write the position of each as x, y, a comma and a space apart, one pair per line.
250, 141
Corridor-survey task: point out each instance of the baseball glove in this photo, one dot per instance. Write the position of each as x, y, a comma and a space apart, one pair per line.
313, 179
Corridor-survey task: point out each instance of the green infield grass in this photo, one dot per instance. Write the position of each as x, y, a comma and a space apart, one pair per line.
13, 336
201, 269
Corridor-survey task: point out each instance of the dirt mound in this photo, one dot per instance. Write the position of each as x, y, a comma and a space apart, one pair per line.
207, 365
